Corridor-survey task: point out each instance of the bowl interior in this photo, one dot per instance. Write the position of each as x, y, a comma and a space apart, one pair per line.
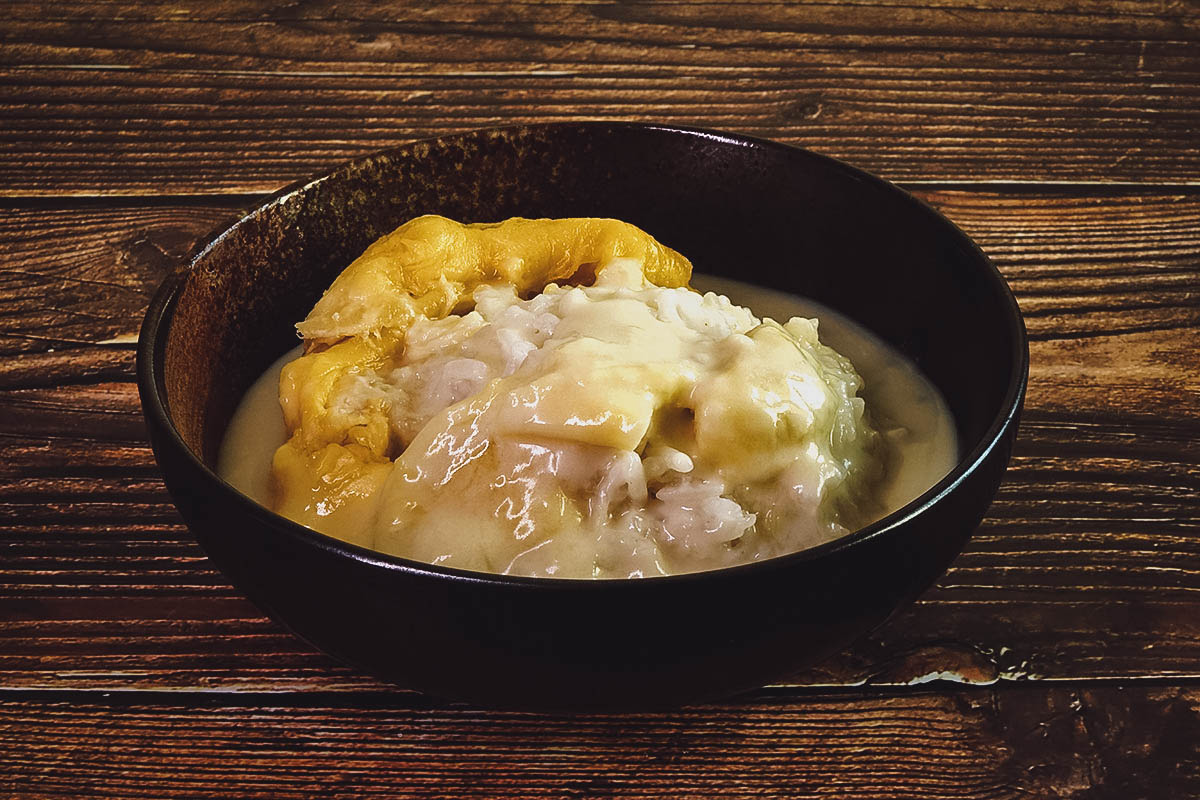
745, 209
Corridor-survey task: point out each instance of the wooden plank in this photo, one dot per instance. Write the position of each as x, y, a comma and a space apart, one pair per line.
1084, 266
246, 97
1034, 16
1012, 743
80, 276
1088, 565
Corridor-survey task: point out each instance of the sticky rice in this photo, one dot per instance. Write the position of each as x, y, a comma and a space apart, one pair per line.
614, 430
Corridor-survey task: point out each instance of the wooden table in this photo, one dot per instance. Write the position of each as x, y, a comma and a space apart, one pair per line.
1058, 658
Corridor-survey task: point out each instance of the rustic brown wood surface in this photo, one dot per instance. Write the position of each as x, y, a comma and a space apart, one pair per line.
1005, 744
112, 98
1061, 137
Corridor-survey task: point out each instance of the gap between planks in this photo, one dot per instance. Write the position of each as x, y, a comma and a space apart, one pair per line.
253, 197
401, 698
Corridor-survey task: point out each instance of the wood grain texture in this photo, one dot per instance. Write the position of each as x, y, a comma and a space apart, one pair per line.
117, 98
1088, 565
82, 277
993, 745
1084, 266
130, 668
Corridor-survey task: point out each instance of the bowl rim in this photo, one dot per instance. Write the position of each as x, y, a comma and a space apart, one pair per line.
156, 325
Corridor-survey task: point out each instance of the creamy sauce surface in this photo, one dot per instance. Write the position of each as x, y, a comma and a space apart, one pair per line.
904, 406
256, 431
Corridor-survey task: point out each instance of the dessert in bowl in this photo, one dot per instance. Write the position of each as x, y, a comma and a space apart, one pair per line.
765, 214
550, 398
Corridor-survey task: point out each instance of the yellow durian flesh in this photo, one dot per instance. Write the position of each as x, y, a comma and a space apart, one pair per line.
328, 474
429, 266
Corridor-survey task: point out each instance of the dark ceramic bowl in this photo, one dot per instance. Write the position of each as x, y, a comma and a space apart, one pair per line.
738, 207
